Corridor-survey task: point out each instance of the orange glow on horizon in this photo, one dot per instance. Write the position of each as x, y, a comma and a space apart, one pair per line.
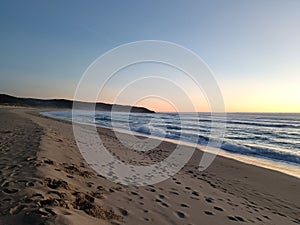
161, 105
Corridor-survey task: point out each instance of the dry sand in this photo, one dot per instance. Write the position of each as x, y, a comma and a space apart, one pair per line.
44, 180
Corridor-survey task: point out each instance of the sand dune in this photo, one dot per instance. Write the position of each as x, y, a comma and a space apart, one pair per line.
44, 180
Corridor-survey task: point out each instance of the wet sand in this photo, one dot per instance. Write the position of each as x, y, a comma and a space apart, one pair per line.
45, 180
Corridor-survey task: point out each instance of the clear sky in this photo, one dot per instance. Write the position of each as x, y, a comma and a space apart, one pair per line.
252, 46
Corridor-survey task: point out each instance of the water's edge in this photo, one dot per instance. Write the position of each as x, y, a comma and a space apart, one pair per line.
289, 169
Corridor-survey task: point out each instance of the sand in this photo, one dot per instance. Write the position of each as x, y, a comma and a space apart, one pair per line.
45, 180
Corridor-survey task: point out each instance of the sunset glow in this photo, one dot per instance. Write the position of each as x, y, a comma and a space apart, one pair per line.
252, 49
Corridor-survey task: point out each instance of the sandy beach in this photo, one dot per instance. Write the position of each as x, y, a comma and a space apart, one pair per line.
45, 180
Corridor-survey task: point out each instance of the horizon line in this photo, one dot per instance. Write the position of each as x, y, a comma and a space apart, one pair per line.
68, 99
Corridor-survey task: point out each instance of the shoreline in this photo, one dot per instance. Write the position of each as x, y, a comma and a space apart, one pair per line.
65, 190
279, 166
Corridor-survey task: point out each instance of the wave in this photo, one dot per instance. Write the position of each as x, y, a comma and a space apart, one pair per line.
253, 139
149, 130
259, 124
226, 146
278, 125
261, 152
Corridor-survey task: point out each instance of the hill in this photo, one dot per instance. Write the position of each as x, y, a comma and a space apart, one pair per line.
64, 103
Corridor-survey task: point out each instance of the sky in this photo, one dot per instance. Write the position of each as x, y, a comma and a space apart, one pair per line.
252, 48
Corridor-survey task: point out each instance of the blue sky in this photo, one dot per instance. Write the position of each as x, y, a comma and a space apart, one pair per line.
252, 47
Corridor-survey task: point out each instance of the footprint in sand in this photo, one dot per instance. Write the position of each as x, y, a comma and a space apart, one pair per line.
209, 213
236, 218
218, 208
259, 219
195, 193
89, 184
209, 199
184, 205
37, 195
55, 184
151, 190
181, 215
29, 184
10, 190
161, 196
114, 223
124, 212
134, 193
173, 192
5, 184
101, 176
48, 161
100, 188
164, 204
267, 217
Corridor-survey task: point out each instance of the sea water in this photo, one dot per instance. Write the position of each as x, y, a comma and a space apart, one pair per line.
271, 136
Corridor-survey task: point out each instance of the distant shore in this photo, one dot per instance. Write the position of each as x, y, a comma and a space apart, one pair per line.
8, 100
44, 180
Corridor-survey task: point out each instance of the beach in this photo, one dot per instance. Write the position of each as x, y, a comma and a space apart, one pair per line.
45, 180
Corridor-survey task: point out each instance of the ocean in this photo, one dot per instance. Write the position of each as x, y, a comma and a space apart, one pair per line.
271, 136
